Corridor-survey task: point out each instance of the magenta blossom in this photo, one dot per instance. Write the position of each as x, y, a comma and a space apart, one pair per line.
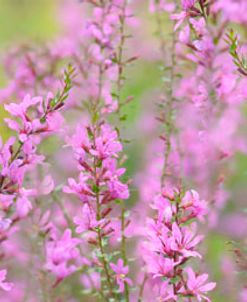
87, 220
80, 189
179, 18
171, 242
188, 4
34, 118
60, 255
192, 203
107, 144
159, 266
166, 293
196, 285
121, 273
184, 241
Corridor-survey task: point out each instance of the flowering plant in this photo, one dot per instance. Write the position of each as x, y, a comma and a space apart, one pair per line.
98, 156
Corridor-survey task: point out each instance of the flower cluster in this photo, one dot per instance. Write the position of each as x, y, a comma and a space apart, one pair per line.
17, 161
30, 71
173, 243
33, 119
211, 94
98, 187
104, 62
60, 254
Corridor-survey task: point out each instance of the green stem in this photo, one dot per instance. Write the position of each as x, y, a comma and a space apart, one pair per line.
98, 217
119, 87
168, 106
120, 53
142, 288
104, 261
123, 250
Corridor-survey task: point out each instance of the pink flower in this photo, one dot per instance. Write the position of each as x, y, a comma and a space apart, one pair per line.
87, 221
164, 208
20, 110
180, 18
6, 201
33, 122
196, 285
27, 125
79, 142
158, 233
91, 281
121, 272
188, 4
23, 204
60, 254
184, 35
199, 25
106, 144
5, 223
116, 188
5, 152
54, 122
184, 241
6, 286
166, 293
81, 189
159, 266
192, 202
110, 104
47, 185
161, 5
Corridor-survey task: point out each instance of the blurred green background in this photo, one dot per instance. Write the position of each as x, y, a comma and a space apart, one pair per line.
35, 20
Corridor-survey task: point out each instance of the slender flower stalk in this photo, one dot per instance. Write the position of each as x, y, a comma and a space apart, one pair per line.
97, 147
173, 240
168, 101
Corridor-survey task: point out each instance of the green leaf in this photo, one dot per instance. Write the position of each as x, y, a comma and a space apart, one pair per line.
95, 188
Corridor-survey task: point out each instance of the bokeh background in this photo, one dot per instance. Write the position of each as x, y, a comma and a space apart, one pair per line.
37, 21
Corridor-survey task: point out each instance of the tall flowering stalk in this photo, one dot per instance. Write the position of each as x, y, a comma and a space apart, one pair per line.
97, 148
33, 119
99, 187
172, 234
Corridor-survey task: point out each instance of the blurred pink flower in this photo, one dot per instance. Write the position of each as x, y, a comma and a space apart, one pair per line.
121, 272
6, 286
